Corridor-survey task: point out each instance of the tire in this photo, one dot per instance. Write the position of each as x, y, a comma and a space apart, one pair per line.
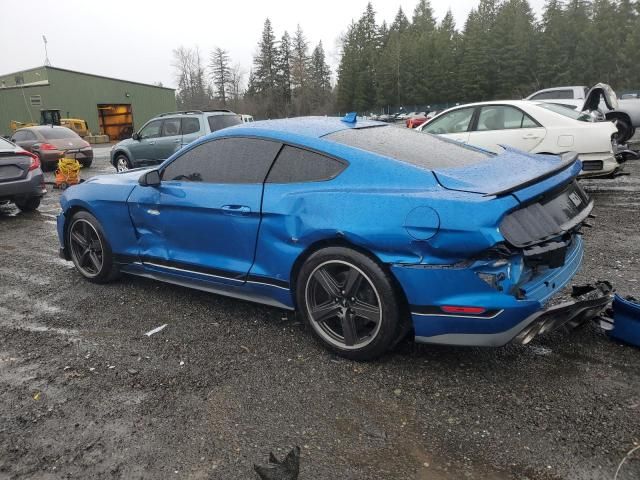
121, 163
45, 166
625, 129
29, 204
86, 163
349, 303
89, 249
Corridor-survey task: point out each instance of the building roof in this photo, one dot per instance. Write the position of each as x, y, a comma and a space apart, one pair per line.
82, 73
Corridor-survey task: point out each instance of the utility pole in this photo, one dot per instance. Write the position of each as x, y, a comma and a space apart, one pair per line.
47, 63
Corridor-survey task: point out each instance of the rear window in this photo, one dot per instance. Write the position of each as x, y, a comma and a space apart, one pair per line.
295, 165
57, 133
5, 145
421, 149
566, 111
218, 122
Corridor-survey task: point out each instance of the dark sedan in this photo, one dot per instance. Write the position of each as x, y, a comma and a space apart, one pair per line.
50, 143
21, 179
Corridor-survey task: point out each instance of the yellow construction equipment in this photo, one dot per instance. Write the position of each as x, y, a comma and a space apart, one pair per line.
68, 173
78, 125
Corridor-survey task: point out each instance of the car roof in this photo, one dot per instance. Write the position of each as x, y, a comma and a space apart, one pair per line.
314, 127
43, 127
514, 103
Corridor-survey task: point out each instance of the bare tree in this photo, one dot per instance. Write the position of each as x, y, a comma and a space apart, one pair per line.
234, 91
192, 86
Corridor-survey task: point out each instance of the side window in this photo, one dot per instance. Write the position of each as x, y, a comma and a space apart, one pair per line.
227, 160
453, 122
554, 95
502, 117
19, 136
151, 130
295, 165
190, 125
170, 127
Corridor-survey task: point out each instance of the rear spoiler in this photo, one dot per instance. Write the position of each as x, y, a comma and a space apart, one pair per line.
566, 160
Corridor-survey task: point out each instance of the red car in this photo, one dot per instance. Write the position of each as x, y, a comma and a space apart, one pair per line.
50, 143
420, 119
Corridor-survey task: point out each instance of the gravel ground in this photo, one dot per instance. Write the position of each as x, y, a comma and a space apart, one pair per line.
84, 394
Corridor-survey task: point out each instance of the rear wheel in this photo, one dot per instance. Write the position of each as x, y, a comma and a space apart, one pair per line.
625, 129
86, 163
29, 204
122, 163
89, 249
349, 303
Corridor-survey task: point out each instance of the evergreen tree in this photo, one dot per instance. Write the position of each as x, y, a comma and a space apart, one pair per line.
300, 72
445, 61
347, 70
320, 80
552, 55
477, 64
283, 74
514, 54
220, 73
264, 75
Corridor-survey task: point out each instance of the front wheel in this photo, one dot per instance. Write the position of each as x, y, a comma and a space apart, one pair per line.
89, 249
122, 163
349, 303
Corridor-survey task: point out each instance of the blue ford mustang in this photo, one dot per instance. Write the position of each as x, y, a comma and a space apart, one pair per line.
368, 230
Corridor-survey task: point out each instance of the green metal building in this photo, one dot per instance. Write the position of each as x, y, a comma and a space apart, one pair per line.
110, 106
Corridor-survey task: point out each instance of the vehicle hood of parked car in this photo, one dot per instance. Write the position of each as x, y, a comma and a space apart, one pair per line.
525, 170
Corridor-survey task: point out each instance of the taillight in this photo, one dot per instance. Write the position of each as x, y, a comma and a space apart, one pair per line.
47, 146
35, 160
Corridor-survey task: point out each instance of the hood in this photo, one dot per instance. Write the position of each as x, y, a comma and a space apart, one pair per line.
130, 177
599, 92
512, 171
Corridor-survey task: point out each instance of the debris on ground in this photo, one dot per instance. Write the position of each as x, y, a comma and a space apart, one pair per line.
156, 330
287, 469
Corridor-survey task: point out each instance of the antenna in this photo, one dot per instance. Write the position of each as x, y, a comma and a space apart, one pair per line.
47, 63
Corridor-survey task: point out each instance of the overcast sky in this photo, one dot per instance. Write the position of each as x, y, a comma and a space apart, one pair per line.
133, 39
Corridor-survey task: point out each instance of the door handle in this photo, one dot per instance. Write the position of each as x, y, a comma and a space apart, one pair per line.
177, 141
151, 143
530, 136
235, 209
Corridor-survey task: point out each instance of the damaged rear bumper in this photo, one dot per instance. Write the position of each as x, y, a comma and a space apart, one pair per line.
569, 314
494, 315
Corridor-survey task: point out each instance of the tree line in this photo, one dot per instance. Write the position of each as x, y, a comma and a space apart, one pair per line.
286, 79
501, 51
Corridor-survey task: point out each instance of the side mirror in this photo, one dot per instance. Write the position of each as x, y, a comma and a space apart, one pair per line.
150, 179
136, 136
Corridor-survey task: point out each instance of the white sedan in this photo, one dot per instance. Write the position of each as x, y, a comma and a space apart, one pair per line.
535, 127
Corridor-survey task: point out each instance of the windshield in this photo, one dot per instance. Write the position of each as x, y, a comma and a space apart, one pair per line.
423, 150
567, 112
218, 122
57, 133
